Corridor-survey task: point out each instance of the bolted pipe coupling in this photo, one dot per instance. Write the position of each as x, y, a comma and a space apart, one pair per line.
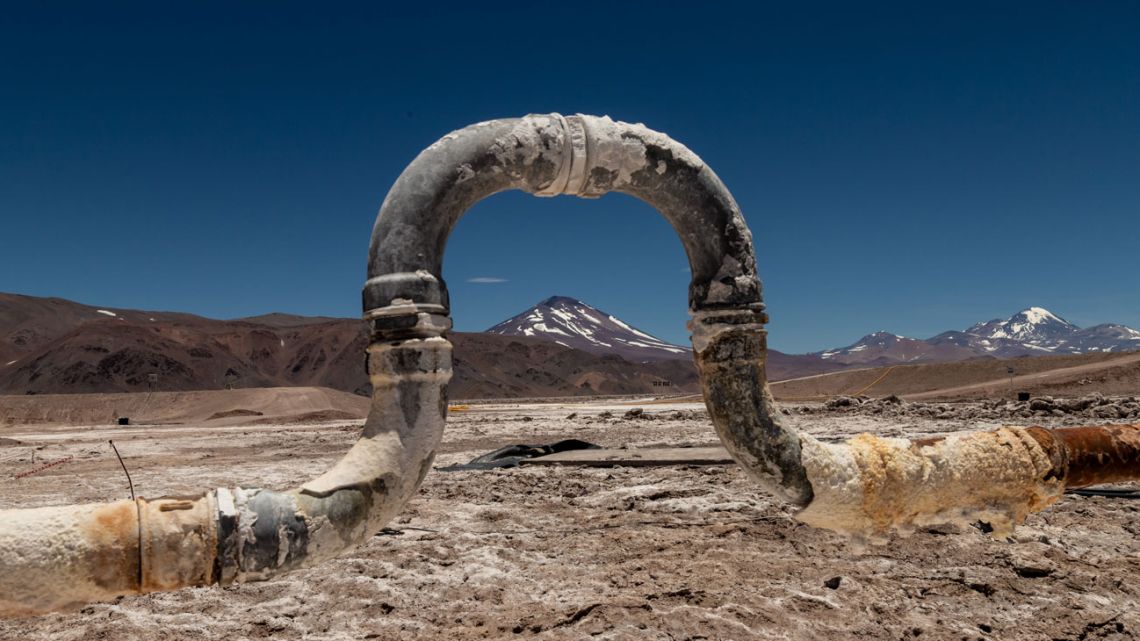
570, 177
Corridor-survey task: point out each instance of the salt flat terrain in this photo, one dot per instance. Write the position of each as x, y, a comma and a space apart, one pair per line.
680, 552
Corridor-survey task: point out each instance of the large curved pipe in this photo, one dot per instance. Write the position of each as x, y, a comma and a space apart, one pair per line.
588, 156
863, 487
56, 557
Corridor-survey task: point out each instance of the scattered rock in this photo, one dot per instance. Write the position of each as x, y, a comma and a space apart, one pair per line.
1029, 561
636, 412
840, 402
1092, 406
833, 582
1032, 571
233, 413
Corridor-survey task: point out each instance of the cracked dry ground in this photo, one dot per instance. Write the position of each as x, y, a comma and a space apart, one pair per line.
574, 553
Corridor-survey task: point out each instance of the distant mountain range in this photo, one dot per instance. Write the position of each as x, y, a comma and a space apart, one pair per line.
1031, 332
52, 345
559, 347
571, 323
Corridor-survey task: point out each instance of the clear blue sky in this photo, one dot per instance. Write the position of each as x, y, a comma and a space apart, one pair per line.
904, 166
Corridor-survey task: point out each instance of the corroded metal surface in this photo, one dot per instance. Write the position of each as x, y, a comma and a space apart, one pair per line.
1085, 455
580, 155
59, 557
1100, 454
869, 485
730, 358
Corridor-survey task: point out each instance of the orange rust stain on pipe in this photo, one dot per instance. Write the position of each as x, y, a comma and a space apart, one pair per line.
1087, 455
114, 536
1055, 449
1101, 454
179, 543
928, 441
883, 498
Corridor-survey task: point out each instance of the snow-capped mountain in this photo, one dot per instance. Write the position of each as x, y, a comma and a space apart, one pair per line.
1108, 337
878, 348
572, 323
1036, 328
1031, 332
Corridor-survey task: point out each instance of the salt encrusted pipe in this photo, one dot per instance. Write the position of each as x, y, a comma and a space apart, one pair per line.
868, 486
54, 558
58, 557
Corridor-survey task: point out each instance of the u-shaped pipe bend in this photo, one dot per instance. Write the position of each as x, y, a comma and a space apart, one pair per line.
588, 156
55, 557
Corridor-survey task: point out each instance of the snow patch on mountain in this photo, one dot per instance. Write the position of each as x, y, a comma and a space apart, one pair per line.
584, 327
1034, 331
1035, 327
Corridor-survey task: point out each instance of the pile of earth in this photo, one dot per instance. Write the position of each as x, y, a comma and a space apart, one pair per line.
639, 414
1092, 406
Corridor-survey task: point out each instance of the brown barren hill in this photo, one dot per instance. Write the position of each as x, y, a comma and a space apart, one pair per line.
244, 406
493, 366
53, 346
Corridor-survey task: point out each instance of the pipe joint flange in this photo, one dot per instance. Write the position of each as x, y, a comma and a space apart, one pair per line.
706, 326
416, 324
260, 532
570, 179
226, 562
399, 293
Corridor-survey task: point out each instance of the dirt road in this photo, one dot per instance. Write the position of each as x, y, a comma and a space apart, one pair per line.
1068, 375
1000, 385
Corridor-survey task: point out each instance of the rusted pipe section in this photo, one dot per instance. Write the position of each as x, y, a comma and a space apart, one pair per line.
57, 558
1101, 454
1084, 456
868, 485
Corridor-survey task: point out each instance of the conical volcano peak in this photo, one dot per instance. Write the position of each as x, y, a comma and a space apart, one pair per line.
573, 323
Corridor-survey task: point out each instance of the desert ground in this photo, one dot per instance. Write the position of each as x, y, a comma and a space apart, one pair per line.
673, 552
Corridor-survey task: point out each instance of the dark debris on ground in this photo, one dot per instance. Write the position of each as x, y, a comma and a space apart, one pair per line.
1091, 406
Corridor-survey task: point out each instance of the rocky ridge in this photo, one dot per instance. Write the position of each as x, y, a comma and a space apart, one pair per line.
1034, 331
1087, 408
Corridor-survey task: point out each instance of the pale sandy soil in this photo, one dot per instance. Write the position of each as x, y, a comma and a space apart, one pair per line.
576, 553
